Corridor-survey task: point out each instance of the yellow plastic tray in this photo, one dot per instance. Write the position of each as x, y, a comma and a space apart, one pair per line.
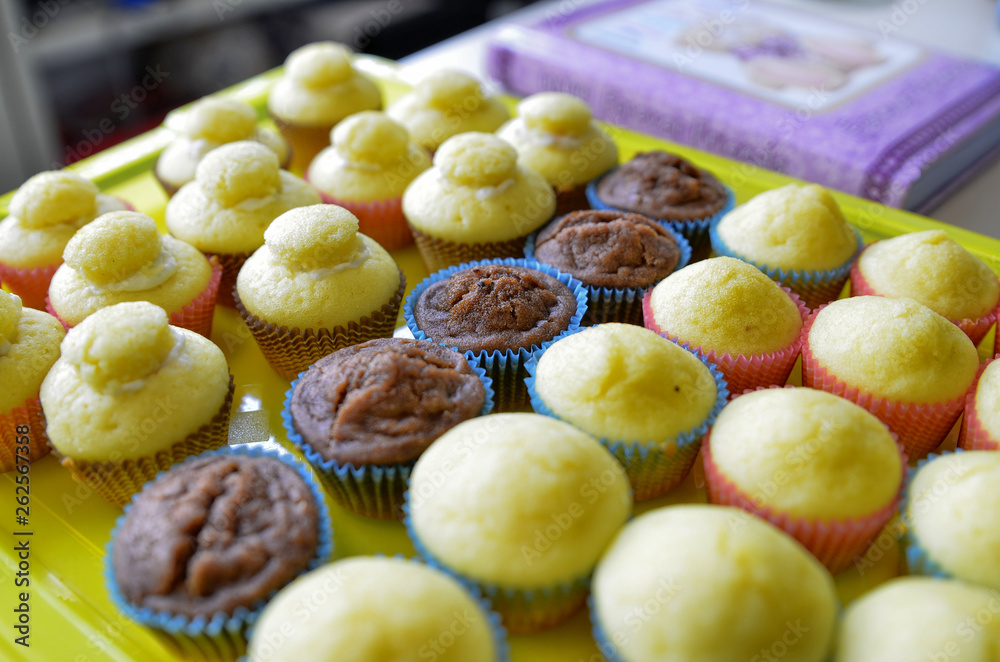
71, 616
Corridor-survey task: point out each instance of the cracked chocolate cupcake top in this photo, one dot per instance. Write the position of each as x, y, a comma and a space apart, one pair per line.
384, 401
664, 186
215, 534
609, 248
494, 307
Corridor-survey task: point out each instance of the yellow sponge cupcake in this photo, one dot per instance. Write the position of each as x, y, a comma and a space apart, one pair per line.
131, 395
238, 190
476, 203
711, 583
952, 504
795, 234
376, 609
207, 124
521, 504
935, 270
45, 213
122, 257
896, 358
369, 164
444, 104
648, 399
737, 317
29, 345
315, 286
555, 135
820, 467
981, 423
916, 618
320, 87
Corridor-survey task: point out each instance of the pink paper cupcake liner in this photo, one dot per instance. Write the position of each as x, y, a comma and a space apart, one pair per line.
381, 220
976, 329
973, 436
742, 372
920, 427
32, 285
231, 264
195, 316
834, 543
29, 418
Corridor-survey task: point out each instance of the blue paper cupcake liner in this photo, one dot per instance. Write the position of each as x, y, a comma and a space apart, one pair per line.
505, 368
522, 611
918, 560
370, 490
223, 636
814, 287
652, 471
696, 231
617, 304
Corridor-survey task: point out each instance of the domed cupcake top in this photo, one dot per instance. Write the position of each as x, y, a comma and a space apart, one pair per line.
239, 171
448, 89
120, 251
934, 269
317, 237
116, 347
792, 227
371, 137
320, 65
476, 160
221, 120
54, 198
10, 315
625, 382
555, 113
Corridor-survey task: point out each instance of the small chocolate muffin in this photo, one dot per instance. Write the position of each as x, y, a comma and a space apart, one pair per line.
663, 186
215, 534
384, 401
609, 248
494, 307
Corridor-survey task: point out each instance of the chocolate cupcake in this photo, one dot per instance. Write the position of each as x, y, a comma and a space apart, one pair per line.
363, 415
666, 187
204, 546
616, 255
498, 312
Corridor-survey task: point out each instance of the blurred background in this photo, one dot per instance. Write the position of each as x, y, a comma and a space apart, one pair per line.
78, 76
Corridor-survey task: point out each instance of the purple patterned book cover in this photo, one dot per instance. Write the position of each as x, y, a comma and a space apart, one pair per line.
779, 88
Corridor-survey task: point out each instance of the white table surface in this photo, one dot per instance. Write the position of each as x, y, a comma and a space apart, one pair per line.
969, 28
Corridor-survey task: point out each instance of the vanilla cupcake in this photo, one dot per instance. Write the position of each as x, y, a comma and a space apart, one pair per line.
376, 609
207, 124
522, 505
647, 399
320, 87
238, 190
444, 104
795, 234
315, 286
475, 203
29, 345
952, 503
368, 165
916, 618
122, 257
45, 213
896, 358
699, 582
733, 314
131, 395
818, 466
935, 270
981, 423
554, 134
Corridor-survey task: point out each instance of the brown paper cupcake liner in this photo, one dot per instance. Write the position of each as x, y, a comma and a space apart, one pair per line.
30, 418
32, 285
382, 220
440, 253
973, 436
570, 198
291, 351
118, 480
231, 264
305, 141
